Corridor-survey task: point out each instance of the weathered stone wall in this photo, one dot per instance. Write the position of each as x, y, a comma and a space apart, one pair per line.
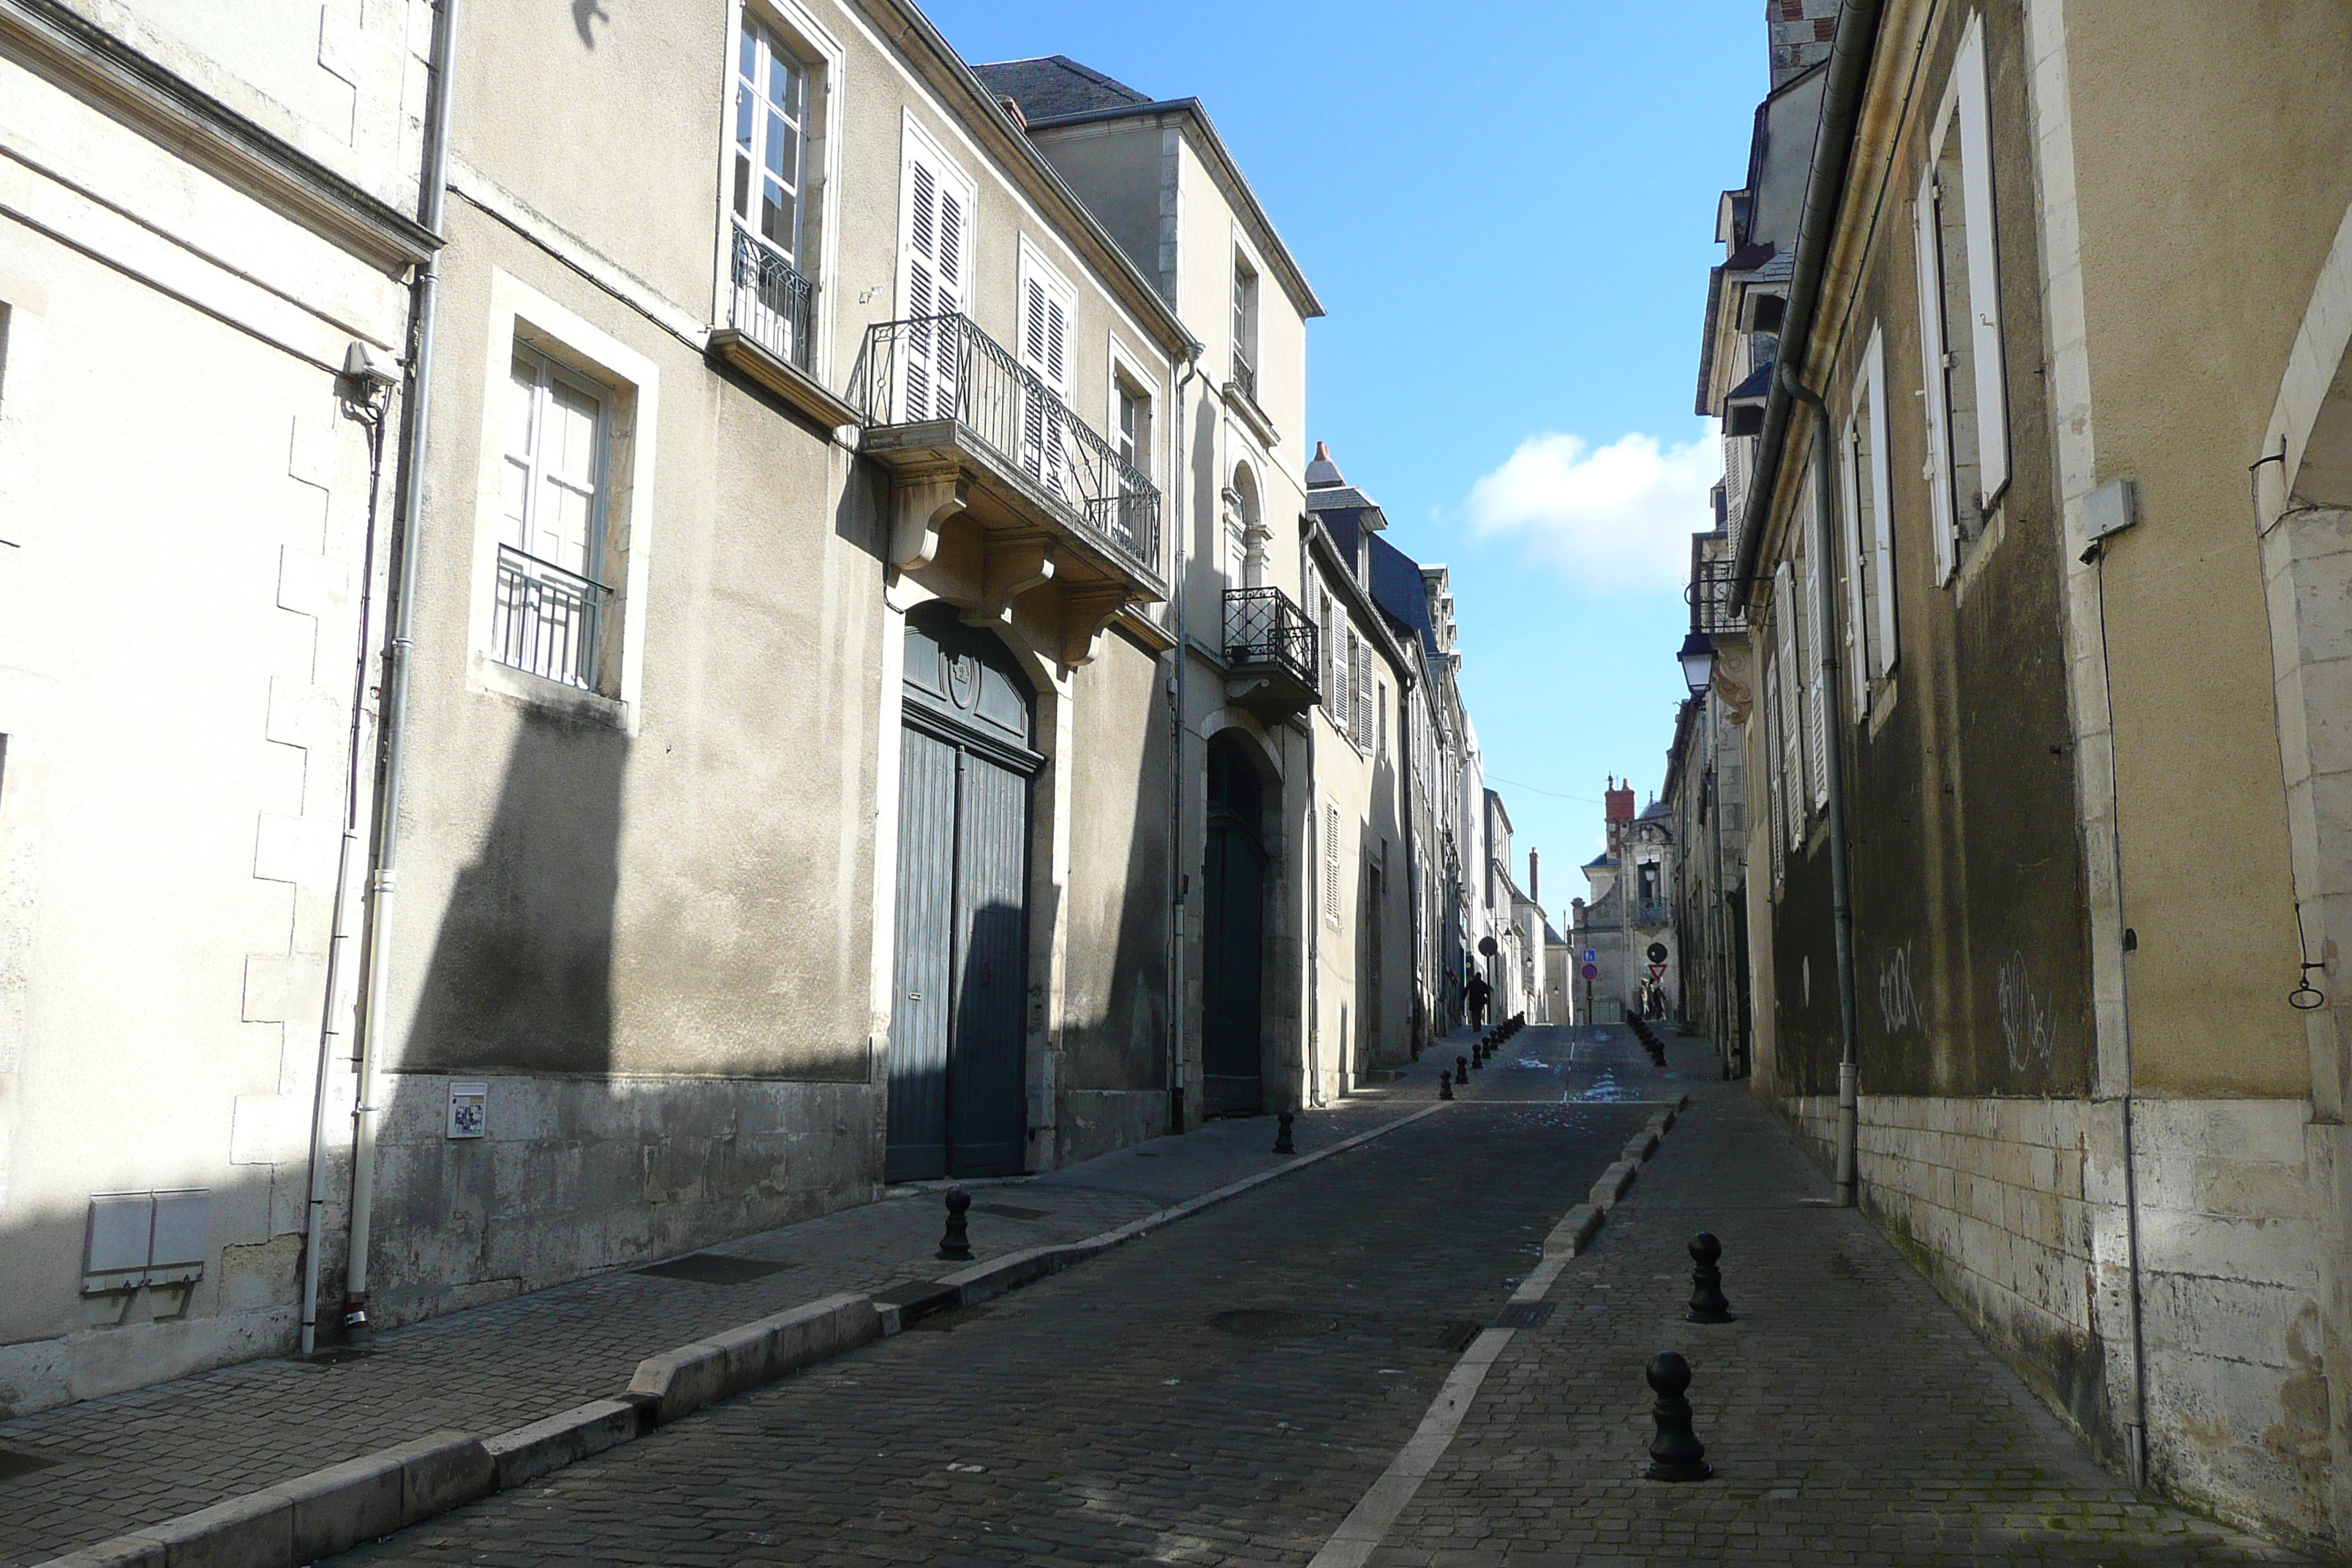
2015, 1210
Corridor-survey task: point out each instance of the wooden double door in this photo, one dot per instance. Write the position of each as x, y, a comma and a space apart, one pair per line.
958, 1105
1232, 938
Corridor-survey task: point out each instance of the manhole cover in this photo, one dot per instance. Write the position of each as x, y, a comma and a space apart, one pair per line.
14, 1462
1273, 1323
713, 1268
1008, 1211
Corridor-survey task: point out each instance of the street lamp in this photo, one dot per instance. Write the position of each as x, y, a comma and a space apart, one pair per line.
1699, 662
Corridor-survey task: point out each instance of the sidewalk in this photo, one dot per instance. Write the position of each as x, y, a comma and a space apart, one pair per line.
113, 1464
1851, 1415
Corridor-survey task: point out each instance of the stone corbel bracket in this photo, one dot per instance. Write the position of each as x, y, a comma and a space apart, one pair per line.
921, 503
1014, 563
1085, 612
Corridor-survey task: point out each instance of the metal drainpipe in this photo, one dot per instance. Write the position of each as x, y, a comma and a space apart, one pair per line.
314, 1214
1176, 884
1840, 873
381, 882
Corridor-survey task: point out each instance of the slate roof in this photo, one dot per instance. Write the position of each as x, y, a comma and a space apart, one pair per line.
1656, 811
1055, 86
1397, 589
1757, 385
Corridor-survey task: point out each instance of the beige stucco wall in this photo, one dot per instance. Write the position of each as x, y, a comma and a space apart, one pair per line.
2210, 181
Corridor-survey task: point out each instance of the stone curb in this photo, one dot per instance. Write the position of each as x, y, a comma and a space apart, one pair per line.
334, 1509
1576, 1233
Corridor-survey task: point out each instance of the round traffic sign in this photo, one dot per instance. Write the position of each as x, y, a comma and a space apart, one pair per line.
1591, 972
1657, 952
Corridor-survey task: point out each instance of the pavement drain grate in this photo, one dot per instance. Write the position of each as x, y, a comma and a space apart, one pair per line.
1524, 1315
712, 1268
1008, 1211
14, 1462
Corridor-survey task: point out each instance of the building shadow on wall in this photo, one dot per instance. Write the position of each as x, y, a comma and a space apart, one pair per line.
522, 971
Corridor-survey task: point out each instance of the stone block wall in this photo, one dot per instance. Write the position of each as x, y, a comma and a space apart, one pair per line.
2015, 1210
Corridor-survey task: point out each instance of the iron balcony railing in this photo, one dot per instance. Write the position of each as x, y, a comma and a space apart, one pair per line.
1244, 377
772, 304
1263, 627
1651, 913
545, 619
1710, 598
945, 368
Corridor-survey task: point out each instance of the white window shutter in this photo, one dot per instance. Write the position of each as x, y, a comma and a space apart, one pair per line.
1938, 470
1984, 264
1816, 637
1784, 613
1853, 495
1882, 545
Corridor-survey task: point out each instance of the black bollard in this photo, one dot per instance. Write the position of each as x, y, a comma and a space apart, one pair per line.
956, 1245
1462, 1069
1446, 1086
1675, 1453
1282, 1144
1707, 1304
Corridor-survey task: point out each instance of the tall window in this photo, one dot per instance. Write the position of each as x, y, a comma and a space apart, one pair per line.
1244, 326
1046, 308
1241, 518
1786, 613
549, 601
1869, 565
1960, 313
1332, 862
771, 140
932, 286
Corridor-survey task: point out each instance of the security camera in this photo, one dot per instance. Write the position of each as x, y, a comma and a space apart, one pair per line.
372, 370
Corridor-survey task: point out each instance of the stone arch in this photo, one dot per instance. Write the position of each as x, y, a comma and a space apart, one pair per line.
1245, 527
2303, 505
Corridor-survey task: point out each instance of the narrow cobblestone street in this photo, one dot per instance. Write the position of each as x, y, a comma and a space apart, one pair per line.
1224, 1390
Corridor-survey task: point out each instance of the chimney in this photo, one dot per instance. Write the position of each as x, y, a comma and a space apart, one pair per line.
1620, 798
1535, 878
1800, 31
1322, 473
1011, 107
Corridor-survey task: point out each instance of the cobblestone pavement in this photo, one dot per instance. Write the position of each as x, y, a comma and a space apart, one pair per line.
1219, 1391
155, 1453
1851, 1416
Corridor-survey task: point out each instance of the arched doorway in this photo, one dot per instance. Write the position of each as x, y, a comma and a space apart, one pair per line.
955, 1100
1233, 935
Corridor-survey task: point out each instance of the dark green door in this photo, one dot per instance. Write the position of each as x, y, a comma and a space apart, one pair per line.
1232, 938
957, 1104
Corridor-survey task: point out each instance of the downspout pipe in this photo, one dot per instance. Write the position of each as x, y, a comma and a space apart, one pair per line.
384, 880
1177, 686
1841, 90
1833, 748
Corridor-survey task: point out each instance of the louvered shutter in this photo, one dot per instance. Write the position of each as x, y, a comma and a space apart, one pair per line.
1984, 264
1937, 469
1360, 670
1784, 614
934, 290
1853, 496
1882, 513
1332, 862
1343, 693
1046, 354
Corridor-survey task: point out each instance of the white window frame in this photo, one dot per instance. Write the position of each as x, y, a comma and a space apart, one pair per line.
1785, 617
520, 315
918, 145
1249, 294
823, 56
1965, 109
1038, 283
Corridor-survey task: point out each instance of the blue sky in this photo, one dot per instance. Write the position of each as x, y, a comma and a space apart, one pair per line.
1508, 210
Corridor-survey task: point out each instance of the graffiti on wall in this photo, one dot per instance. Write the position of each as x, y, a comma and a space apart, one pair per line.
2025, 1024
1898, 1004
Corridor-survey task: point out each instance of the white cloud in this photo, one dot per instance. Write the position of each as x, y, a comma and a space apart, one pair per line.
1617, 518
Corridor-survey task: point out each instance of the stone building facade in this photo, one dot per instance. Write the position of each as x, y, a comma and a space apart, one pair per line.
2088, 1044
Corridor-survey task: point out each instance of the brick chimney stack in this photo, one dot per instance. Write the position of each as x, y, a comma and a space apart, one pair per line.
1535, 878
1801, 31
1621, 801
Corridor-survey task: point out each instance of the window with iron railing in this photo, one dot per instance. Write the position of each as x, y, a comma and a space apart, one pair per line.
1264, 627
549, 602
1245, 329
772, 296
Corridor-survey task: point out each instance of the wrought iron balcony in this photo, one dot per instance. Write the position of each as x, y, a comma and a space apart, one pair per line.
1651, 913
545, 619
772, 304
1270, 649
962, 423
1244, 377
1710, 598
